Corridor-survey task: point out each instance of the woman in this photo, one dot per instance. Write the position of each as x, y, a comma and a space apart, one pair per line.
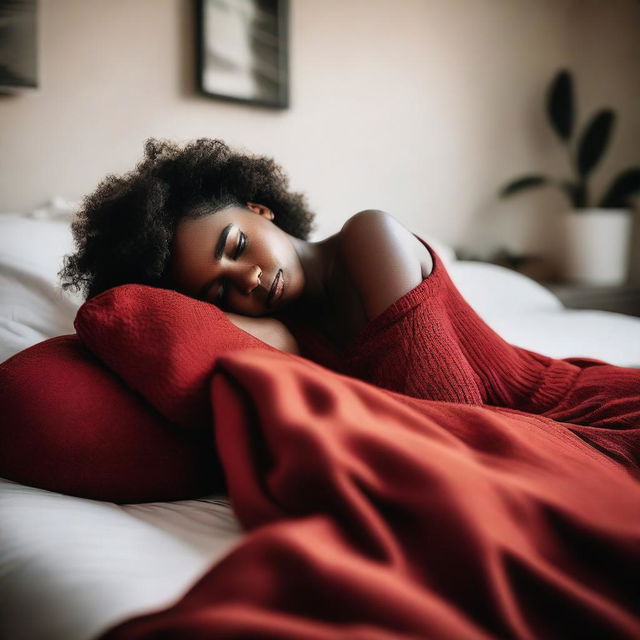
467, 520
157, 226
371, 301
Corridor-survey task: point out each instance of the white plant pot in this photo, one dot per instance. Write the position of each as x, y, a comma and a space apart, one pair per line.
596, 246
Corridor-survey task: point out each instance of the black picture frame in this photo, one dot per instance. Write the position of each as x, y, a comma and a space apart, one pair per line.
243, 51
18, 45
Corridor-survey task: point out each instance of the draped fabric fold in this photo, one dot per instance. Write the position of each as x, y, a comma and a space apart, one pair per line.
375, 515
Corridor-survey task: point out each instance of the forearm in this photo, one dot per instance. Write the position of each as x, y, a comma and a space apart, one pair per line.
269, 330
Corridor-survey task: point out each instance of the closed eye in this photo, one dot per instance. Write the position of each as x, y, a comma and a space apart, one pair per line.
242, 245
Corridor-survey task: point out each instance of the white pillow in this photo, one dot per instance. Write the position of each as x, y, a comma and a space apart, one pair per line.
491, 289
33, 306
524, 313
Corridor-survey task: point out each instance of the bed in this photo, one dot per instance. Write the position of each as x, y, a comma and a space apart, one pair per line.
70, 568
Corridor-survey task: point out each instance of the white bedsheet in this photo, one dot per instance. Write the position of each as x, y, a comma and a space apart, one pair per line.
70, 568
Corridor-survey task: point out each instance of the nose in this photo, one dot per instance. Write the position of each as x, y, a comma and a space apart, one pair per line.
249, 278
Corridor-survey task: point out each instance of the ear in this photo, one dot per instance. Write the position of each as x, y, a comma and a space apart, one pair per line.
261, 210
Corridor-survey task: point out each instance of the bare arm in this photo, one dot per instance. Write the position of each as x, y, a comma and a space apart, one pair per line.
269, 330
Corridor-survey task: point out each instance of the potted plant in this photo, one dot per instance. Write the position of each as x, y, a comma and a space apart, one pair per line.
597, 232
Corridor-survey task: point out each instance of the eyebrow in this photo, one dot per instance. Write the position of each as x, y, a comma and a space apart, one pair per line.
219, 250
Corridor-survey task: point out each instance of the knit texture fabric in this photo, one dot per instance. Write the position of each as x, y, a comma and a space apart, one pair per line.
431, 344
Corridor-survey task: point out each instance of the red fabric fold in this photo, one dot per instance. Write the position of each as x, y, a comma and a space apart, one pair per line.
375, 515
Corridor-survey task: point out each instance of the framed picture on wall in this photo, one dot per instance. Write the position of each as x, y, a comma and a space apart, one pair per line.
18, 44
243, 51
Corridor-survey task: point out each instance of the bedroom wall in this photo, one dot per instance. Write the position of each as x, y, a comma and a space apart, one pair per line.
421, 107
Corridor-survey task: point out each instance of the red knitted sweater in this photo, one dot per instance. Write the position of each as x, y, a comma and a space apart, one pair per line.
431, 344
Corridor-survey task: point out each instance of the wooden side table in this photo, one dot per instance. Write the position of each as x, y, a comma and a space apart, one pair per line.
621, 299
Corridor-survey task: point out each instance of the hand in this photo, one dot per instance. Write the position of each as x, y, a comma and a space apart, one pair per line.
267, 329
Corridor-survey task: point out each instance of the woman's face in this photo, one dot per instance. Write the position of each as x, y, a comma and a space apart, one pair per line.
233, 258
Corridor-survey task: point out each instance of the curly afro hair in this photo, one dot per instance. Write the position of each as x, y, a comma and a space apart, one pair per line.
124, 230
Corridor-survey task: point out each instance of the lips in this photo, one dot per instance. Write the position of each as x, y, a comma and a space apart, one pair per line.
277, 288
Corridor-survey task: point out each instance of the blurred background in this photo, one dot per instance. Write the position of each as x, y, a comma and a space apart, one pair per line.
422, 108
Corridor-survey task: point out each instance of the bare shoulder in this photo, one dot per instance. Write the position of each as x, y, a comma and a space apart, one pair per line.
384, 259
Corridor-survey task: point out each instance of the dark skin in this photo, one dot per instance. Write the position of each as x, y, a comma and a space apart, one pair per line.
341, 282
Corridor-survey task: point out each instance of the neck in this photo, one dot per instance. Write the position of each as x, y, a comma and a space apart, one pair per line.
318, 262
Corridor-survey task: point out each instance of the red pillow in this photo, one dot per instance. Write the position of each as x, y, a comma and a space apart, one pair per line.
70, 425
163, 344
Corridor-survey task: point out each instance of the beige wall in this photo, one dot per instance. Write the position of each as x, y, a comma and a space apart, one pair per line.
419, 107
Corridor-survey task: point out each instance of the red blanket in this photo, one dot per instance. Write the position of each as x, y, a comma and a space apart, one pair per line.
373, 515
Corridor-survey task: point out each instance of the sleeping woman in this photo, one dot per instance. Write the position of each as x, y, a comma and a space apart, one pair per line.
372, 300
222, 227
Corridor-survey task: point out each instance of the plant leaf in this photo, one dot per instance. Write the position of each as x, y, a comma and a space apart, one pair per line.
560, 110
622, 188
580, 196
521, 183
594, 141
574, 193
